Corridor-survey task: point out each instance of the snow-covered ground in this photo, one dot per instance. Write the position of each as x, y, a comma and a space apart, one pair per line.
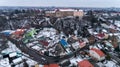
12, 48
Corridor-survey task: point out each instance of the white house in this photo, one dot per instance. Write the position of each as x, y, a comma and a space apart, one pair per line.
97, 54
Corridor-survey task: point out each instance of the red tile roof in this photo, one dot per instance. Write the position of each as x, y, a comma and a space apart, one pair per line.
46, 66
99, 52
19, 32
45, 43
85, 63
51, 65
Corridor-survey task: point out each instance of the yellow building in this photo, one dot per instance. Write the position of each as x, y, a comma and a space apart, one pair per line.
64, 13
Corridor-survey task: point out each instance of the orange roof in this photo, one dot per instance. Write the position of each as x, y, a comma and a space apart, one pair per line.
99, 52
19, 31
85, 63
46, 66
51, 65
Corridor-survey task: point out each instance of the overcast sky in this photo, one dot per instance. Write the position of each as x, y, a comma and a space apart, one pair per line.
66, 3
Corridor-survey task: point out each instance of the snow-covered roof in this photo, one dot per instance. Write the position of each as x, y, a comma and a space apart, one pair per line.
99, 52
68, 10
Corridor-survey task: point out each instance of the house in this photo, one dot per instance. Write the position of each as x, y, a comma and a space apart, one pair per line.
69, 12
50, 13
82, 44
7, 32
97, 54
5, 62
63, 43
117, 23
91, 39
106, 36
59, 49
74, 61
31, 32
13, 57
45, 43
64, 13
72, 39
100, 36
51, 65
76, 45
19, 32
79, 44
108, 44
85, 63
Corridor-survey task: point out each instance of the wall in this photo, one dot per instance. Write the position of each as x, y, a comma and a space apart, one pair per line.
78, 13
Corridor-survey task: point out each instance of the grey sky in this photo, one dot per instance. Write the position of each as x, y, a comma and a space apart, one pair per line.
66, 3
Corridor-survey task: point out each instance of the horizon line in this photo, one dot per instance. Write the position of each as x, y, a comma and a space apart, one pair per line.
60, 6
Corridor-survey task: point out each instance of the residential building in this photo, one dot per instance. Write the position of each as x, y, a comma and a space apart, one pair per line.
85, 63
97, 54
64, 13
